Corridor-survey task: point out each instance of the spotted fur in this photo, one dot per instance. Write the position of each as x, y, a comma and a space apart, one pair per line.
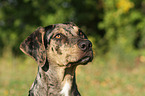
57, 49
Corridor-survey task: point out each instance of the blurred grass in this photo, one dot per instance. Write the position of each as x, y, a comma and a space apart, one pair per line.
16, 75
102, 78
108, 75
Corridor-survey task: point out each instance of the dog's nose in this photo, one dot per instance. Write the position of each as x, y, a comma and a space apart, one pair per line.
84, 45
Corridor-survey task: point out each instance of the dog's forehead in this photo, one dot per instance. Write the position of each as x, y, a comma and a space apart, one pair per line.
67, 29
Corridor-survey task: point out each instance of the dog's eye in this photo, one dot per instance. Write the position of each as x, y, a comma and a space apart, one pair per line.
82, 35
58, 36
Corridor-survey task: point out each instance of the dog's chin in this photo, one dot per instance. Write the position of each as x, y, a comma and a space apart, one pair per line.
82, 61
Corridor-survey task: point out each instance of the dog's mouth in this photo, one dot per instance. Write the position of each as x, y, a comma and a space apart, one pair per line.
82, 61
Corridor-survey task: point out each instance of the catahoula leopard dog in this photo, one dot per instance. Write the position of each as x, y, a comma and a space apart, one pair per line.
58, 49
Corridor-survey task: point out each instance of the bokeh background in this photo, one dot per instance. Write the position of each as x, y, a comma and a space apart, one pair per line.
116, 28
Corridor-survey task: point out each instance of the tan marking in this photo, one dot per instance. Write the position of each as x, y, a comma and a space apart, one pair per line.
75, 28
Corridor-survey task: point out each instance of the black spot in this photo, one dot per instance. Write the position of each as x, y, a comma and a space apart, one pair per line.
48, 28
52, 49
45, 41
51, 84
40, 74
57, 48
50, 38
31, 93
46, 66
35, 82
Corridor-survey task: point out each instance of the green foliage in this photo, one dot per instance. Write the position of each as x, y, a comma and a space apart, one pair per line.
109, 22
19, 18
123, 23
115, 27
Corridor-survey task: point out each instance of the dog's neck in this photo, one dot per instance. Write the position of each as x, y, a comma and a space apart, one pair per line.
57, 81
68, 81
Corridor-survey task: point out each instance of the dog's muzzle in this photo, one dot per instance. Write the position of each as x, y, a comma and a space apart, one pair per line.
84, 45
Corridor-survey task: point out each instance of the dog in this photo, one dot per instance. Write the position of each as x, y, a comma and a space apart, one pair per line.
58, 49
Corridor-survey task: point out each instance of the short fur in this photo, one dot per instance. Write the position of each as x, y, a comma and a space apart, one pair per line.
57, 49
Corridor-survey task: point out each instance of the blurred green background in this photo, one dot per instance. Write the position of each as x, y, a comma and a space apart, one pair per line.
116, 28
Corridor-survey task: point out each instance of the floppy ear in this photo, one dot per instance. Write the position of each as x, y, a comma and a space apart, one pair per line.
34, 46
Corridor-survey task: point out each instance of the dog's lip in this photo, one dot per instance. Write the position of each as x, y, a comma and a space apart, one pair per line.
83, 60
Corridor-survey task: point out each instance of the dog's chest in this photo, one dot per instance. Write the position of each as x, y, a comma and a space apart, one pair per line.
66, 89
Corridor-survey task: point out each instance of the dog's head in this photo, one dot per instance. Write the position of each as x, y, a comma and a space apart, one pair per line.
60, 44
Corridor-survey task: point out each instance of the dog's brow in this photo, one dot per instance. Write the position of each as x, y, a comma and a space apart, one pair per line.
68, 31
49, 37
75, 30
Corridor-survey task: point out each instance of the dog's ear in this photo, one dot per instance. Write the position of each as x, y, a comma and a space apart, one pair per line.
34, 46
